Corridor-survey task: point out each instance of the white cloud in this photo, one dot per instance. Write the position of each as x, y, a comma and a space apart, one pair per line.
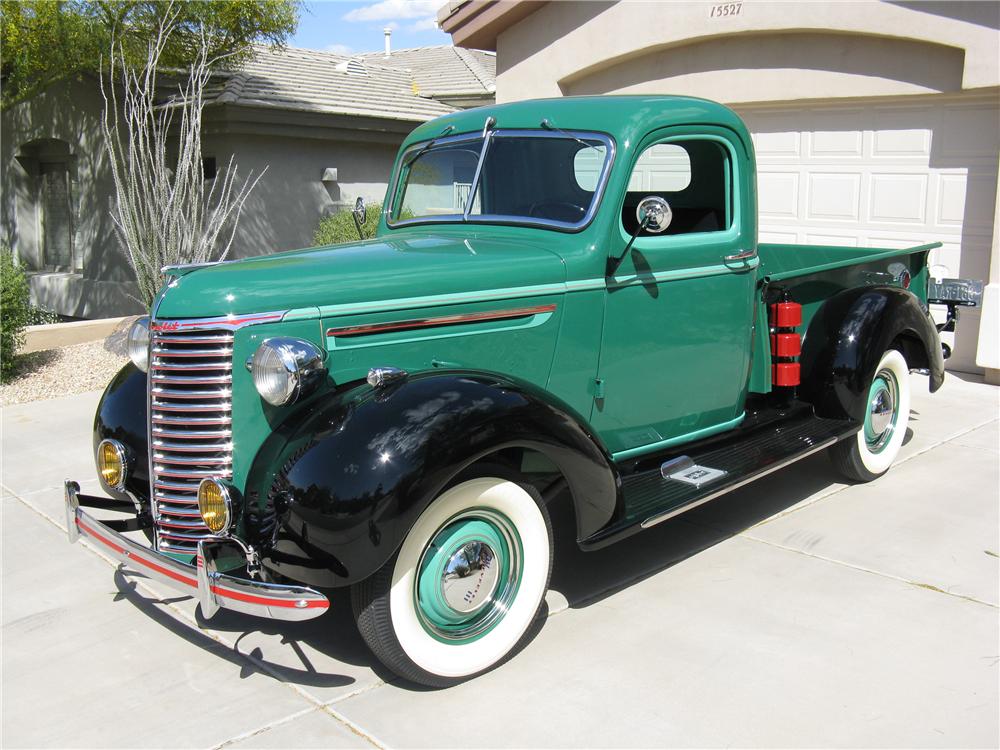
424, 24
339, 49
393, 10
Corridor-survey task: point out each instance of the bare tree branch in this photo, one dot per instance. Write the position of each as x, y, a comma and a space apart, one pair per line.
163, 215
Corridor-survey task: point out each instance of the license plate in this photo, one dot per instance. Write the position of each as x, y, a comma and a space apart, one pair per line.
965, 292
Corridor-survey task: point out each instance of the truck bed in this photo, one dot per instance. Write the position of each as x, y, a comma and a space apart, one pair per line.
779, 262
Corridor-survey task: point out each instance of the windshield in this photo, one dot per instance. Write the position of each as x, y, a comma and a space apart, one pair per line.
527, 177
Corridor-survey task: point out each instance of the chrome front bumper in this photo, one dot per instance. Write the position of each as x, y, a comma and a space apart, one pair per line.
214, 590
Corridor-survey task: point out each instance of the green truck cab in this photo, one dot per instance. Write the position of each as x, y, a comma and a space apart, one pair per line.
562, 295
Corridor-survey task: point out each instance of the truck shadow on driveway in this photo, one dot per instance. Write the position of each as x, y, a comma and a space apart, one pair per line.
583, 578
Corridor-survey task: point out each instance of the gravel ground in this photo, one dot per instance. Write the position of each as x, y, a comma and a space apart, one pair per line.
61, 372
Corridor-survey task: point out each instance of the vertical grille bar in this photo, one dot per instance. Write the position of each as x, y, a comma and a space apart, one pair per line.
191, 436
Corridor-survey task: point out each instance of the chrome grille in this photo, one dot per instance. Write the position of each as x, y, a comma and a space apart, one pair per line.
191, 436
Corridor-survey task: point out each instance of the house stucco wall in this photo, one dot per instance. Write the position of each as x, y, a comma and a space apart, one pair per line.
773, 50
285, 208
282, 213
101, 285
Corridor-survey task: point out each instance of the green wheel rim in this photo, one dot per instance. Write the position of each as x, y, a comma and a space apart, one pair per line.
882, 413
468, 576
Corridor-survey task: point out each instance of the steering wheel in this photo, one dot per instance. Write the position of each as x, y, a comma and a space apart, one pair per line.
544, 210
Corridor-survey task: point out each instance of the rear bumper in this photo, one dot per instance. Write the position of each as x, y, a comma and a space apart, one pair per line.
213, 589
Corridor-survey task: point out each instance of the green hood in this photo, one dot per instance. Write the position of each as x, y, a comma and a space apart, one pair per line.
371, 271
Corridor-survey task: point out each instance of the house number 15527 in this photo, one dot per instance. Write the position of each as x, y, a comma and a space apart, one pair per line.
729, 9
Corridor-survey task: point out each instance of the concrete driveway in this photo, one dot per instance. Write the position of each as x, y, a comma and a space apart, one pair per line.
795, 612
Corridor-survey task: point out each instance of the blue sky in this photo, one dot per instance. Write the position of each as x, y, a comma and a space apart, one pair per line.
352, 27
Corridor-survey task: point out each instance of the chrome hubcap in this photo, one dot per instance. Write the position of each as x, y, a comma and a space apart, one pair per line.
880, 421
470, 577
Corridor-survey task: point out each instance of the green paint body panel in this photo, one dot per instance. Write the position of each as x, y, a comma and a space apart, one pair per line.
663, 352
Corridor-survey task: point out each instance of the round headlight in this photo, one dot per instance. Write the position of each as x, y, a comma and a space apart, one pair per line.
214, 505
284, 369
138, 344
111, 463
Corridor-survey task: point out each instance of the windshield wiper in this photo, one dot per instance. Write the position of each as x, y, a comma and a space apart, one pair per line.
491, 121
427, 146
548, 125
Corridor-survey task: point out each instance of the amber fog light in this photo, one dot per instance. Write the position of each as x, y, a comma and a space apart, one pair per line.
111, 463
214, 505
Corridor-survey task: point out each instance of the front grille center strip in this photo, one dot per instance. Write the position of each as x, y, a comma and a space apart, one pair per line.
190, 428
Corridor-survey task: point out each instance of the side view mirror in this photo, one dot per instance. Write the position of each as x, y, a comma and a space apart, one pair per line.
360, 214
655, 212
654, 215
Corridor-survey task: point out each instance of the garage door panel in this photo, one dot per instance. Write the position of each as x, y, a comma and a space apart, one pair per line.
970, 133
950, 200
833, 196
844, 144
777, 145
779, 195
900, 143
898, 198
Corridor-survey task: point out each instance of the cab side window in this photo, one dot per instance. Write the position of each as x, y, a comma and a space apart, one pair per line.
693, 176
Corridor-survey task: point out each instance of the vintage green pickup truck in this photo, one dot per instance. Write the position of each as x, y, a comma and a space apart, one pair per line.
562, 295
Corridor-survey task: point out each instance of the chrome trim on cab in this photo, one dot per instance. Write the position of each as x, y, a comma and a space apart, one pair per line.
214, 589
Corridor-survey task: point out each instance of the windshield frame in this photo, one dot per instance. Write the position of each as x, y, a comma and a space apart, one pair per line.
507, 220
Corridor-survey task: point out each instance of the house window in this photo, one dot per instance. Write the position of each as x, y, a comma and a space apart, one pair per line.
208, 167
50, 168
57, 216
693, 176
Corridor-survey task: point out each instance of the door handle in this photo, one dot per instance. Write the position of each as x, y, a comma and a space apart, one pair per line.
741, 255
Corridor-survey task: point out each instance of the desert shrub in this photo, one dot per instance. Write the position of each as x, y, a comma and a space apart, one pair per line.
14, 310
39, 316
339, 227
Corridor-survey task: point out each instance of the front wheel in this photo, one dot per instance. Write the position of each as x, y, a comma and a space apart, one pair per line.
467, 583
871, 452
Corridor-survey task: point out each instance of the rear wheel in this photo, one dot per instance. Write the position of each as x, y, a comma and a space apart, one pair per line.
467, 583
870, 453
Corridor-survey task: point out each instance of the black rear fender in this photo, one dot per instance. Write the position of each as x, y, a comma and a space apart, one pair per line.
846, 339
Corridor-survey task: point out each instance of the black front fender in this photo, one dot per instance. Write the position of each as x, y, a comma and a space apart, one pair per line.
848, 335
340, 486
121, 416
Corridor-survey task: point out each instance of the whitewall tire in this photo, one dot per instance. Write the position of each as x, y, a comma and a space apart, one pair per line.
465, 586
870, 453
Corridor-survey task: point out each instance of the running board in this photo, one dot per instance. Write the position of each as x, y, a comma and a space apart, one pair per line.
704, 473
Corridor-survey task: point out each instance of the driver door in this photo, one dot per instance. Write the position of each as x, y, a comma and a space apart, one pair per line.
678, 324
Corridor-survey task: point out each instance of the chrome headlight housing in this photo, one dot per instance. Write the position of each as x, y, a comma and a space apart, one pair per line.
286, 369
138, 343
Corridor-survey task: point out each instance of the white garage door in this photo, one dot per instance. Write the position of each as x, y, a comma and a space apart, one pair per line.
883, 175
